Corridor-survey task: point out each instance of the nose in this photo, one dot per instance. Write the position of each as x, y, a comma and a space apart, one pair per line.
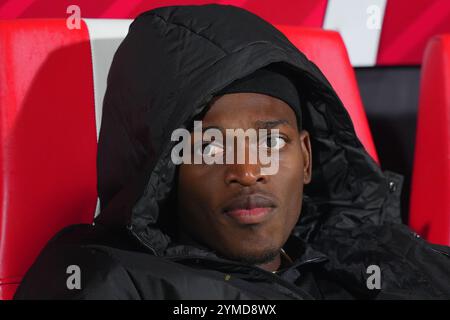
244, 174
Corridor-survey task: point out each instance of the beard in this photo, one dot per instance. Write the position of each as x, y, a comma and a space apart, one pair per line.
246, 257
255, 258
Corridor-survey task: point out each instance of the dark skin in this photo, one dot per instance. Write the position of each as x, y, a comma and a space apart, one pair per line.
205, 189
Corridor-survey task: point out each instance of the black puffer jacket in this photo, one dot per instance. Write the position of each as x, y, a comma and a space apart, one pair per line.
164, 73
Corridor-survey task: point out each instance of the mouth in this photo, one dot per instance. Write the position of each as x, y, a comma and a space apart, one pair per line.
250, 209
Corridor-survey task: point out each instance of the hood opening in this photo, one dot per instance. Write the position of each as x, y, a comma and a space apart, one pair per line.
335, 197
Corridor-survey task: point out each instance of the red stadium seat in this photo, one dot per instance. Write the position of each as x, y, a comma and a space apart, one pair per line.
48, 141
52, 85
430, 193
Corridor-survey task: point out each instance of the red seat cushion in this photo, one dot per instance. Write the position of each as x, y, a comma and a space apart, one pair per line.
430, 193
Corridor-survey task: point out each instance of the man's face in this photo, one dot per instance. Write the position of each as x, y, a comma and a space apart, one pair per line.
233, 208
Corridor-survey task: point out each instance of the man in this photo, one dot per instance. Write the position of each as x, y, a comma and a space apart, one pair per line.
324, 225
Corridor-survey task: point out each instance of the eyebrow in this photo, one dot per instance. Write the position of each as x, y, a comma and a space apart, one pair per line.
269, 124
260, 124
212, 127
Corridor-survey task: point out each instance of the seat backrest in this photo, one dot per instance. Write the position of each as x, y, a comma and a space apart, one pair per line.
430, 189
53, 81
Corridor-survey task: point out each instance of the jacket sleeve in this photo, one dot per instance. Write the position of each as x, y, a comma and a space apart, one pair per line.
420, 269
76, 272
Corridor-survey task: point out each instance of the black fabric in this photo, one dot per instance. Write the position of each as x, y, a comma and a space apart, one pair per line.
271, 83
391, 99
163, 75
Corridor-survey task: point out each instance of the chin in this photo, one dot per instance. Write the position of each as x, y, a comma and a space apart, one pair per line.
253, 255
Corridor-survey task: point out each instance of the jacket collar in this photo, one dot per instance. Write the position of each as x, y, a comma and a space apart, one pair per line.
301, 252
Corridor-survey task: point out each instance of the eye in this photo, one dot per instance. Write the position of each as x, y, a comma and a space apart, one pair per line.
212, 149
273, 142
209, 149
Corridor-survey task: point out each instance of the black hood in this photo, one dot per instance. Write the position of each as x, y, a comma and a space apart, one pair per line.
164, 74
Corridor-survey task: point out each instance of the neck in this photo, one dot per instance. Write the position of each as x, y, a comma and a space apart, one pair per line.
280, 261
272, 265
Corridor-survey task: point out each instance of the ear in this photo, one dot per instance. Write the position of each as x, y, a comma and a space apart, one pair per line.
305, 145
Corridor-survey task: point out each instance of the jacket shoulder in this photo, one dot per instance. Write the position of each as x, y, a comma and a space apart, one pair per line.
69, 269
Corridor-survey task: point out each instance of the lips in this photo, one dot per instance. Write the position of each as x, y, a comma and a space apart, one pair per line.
250, 209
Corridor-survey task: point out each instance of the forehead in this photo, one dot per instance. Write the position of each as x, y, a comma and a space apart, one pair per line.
246, 109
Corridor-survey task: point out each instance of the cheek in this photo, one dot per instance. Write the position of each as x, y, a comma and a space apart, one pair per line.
290, 170
290, 183
190, 188
197, 190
